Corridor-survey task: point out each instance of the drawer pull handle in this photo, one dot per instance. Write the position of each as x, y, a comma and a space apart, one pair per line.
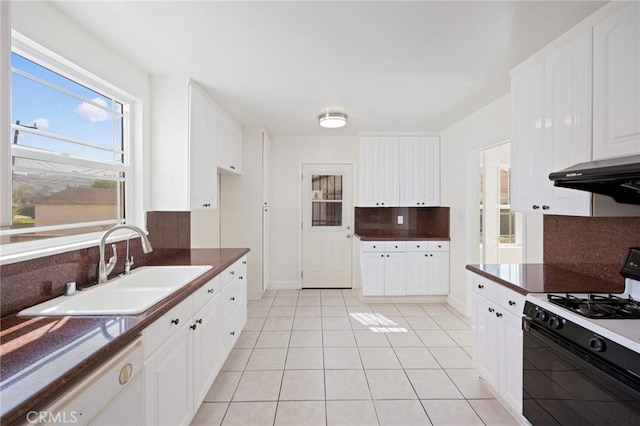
233, 333
232, 299
418, 246
512, 303
491, 309
374, 246
232, 272
498, 314
480, 286
175, 321
199, 321
244, 262
211, 290
194, 326
241, 277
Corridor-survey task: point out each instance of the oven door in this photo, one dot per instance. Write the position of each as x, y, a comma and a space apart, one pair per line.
563, 384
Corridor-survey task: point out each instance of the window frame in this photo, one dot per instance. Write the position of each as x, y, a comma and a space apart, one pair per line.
132, 146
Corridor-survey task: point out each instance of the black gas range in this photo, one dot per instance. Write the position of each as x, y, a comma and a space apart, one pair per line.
581, 356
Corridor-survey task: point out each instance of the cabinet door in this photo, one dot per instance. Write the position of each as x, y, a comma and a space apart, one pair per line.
369, 171
417, 273
206, 360
266, 169
438, 273
168, 383
202, 130
510, 342
411, 170
616, 85
526, 133
485, 336
567, 130
395, 274
389, 172
229, 140
372, 274
430, 175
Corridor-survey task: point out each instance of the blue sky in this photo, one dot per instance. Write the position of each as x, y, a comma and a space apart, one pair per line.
58, 113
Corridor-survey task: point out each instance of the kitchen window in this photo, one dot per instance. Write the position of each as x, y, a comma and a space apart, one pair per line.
69, 162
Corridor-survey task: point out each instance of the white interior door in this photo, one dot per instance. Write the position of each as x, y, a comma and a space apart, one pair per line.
326, 225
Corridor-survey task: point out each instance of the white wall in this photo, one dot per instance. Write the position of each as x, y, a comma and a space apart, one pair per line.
461, 144
46, 25
287, 154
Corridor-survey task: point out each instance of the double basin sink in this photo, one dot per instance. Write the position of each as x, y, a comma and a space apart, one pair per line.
125, 295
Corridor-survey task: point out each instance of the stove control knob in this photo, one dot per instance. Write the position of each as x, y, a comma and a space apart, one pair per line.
555, 323
541, 315
597, 344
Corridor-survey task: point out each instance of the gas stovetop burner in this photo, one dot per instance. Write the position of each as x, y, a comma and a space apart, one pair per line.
598, 306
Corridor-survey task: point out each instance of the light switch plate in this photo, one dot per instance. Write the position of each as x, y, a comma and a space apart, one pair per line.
400, 220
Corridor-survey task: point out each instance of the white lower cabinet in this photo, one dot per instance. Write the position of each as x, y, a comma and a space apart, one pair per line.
400, 268
185, 348
497, 332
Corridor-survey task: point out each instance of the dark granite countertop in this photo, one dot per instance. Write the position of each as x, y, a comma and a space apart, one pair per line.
42, 357
399, 237
543, 278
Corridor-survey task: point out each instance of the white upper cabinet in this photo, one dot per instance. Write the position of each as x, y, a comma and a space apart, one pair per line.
616, 84
229, 137
399, 171
379, 180
419, 171
551, 128
183, 153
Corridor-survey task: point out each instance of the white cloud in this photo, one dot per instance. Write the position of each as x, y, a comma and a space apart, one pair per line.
41, 123
92, 113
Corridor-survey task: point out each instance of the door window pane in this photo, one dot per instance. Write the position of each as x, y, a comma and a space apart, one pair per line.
326, 200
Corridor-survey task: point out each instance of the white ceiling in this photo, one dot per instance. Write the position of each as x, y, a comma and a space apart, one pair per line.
391, 66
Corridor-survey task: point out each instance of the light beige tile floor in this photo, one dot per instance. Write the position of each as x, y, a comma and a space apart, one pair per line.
321, 357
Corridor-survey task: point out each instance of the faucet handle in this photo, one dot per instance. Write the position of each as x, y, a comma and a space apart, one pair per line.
127, 265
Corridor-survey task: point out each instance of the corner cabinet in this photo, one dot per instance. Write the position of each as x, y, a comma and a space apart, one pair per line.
551, 128
399, 171
184, 154
497, 333
185, 349
401, 268
616, 84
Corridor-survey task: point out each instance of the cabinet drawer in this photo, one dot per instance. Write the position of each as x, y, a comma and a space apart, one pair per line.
206, 293
484, 287
438, 245
166, 326
234, 270
391, 246
510, 300
417, 245
372, 246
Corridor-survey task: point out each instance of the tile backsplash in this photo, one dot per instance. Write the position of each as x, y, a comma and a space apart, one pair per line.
34, 281
418, 222
594, 246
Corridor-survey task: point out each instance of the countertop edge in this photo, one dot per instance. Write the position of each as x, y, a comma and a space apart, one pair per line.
398, 238
497, 280
87, 365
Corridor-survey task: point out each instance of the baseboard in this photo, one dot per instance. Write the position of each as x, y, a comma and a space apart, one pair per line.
283, 285
400, 299
459, 306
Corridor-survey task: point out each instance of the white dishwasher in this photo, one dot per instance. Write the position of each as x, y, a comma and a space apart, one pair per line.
111, 395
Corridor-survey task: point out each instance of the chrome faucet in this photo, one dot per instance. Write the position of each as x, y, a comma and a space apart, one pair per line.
105, 269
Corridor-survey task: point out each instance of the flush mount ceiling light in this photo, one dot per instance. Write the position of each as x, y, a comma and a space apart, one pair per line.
332, 120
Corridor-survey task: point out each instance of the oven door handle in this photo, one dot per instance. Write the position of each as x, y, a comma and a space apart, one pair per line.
570, 350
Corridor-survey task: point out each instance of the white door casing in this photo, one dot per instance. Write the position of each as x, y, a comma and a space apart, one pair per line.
326, 225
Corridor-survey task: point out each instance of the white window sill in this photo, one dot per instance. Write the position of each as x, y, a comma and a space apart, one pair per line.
14, 253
